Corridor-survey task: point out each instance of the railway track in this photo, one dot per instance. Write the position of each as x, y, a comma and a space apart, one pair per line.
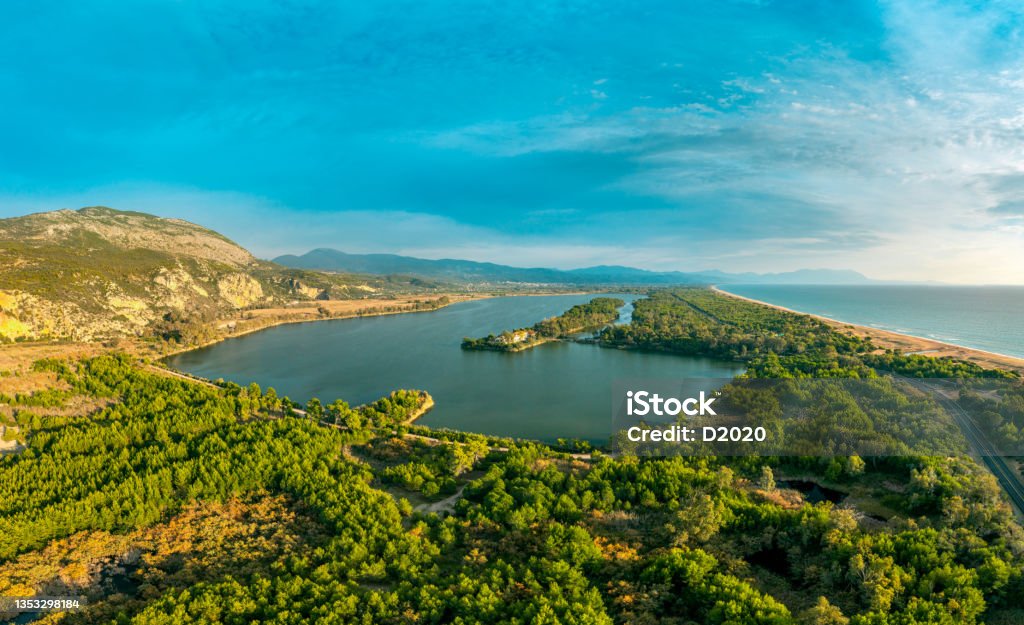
1008, 479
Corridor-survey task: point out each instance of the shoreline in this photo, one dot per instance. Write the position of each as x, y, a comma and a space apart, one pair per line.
907, 343
453, 299
426, 406
514, 349
21, 354
303, 319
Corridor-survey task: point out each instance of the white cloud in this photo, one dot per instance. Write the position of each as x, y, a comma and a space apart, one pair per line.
904, 166
910, 148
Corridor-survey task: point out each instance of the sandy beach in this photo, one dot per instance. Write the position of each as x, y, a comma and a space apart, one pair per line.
907, 343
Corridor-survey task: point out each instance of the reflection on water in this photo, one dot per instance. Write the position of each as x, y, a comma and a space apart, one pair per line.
554, 390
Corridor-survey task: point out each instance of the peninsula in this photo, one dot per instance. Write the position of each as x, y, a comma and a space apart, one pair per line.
594, 314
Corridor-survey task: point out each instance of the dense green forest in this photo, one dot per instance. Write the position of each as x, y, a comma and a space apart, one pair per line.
594, 314
1000, 413
775, 343
818, 390
171, 501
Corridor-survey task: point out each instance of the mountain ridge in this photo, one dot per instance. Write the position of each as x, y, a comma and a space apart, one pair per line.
329, 259
99, 272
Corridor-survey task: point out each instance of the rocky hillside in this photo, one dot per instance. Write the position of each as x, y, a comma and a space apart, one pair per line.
99, 272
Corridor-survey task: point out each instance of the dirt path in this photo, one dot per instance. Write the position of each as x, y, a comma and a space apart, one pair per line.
181, 376
446, 505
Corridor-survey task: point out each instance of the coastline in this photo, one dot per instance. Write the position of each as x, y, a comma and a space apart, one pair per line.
908, 343
426, 406
513, 349
310, 318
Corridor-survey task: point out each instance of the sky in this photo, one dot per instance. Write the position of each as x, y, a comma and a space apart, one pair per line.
886, 137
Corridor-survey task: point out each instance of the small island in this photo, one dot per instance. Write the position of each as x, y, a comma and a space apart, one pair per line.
594, 314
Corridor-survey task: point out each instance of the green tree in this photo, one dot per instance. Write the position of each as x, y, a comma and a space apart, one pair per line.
315, 410
823, 613
767, 479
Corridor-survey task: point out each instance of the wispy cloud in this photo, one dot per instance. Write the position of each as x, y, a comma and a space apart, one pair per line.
738, 135
907, 151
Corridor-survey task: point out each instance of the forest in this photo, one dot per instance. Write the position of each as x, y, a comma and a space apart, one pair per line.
174, 501
594, 314
774, 343
817, 390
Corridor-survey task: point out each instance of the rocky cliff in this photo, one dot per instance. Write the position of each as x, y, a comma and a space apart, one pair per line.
98, 272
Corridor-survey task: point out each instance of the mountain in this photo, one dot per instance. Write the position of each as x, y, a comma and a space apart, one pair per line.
386, 264
99, 272
326, 259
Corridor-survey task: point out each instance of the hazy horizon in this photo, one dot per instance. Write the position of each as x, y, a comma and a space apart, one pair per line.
884, 138
519, 263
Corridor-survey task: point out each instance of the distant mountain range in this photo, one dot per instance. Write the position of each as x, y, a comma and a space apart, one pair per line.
326, 259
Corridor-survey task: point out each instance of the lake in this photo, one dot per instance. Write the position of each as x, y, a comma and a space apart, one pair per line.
558, 389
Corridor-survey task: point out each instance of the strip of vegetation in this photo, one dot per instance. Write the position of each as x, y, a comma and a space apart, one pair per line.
594, 314
533, 536
774, 343
818, 412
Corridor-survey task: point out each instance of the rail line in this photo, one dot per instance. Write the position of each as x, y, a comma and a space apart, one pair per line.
996, 463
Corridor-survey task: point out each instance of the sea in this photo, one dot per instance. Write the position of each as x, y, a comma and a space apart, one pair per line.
989, 318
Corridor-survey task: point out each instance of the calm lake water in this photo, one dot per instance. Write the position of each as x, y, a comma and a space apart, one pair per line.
983, 317
551, 391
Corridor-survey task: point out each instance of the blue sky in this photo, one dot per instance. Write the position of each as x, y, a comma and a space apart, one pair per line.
745, 136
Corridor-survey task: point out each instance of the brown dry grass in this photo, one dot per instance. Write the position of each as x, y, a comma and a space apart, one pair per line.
205, 540
20, 356
29, 381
